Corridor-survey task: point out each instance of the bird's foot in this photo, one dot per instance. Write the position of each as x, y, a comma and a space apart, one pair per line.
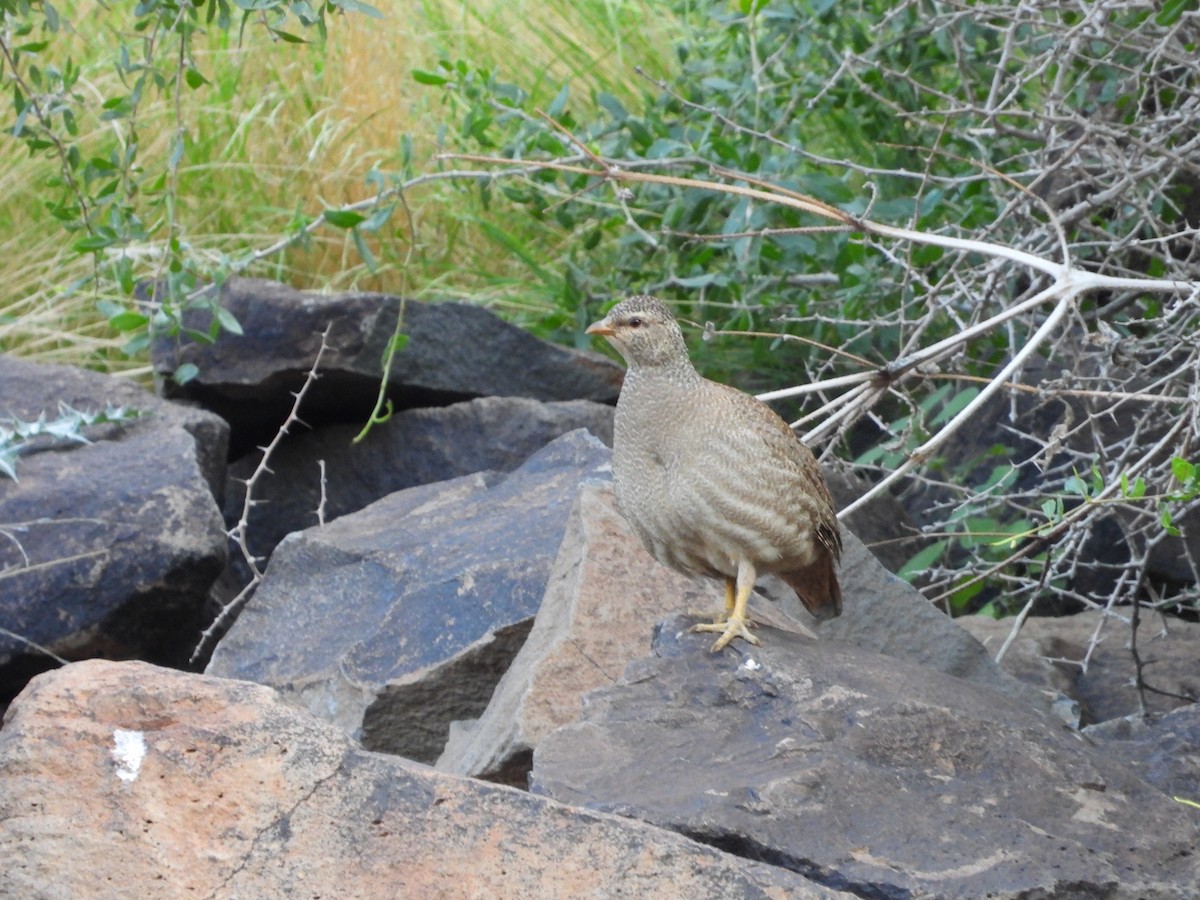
733, 627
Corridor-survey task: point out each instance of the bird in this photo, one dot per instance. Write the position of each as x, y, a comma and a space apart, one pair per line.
711, 479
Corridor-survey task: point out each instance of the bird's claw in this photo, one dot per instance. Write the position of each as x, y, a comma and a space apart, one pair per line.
731, 628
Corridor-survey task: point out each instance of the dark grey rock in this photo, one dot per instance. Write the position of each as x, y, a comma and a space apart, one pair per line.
417, 446
867, 774
1163, 750
1049, 652
354, 619
455, 351
108, 548
886, 614
606, 590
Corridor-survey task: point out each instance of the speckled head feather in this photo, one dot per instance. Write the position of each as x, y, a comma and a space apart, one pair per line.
645, 333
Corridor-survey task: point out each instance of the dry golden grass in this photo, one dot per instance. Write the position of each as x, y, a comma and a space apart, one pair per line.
284, 130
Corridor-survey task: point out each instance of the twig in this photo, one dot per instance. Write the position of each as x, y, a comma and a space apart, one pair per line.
240, 532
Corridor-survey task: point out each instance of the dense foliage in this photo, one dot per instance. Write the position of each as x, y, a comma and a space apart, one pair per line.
1062, 132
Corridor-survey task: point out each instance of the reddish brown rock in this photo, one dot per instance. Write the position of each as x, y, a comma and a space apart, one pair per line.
603, 596
126, 780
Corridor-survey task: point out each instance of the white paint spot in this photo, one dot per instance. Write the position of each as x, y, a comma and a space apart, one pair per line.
129, 749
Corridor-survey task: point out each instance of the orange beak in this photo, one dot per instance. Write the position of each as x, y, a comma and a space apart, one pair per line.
601, 328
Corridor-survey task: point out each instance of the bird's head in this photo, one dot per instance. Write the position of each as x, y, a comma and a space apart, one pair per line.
644, 332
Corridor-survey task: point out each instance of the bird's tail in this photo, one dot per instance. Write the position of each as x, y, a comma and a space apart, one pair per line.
817, 587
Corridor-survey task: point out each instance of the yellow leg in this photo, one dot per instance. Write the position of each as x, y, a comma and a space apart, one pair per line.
734, 622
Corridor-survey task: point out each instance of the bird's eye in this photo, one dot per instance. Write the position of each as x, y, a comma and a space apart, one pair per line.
635, 322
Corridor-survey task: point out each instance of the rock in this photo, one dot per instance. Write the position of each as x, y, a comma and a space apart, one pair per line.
110, 547
883, 524
866, 773
603, 595
604, 591
124, 780
417, 446
359, 620
885, 614
455, 351
1162, 751
1048, 652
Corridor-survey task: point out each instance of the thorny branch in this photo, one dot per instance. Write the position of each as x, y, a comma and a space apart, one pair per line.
240, 532
1089, 274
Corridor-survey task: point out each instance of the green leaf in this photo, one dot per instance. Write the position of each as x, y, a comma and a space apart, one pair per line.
556, 107
193, 78
228, 321
1165, 519
286, 36
1076, 485
1171, 11
357, 6
422, 77
186, 373
923, 559
343, 218
128, 321
364, 251
1184, 471
395, 345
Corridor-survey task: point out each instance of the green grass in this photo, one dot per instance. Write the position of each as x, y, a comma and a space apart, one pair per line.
283, 130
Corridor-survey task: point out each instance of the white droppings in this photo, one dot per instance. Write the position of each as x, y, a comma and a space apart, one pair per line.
129, 749
750, 665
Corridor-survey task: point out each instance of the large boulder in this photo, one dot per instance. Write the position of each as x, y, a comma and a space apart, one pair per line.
868, 774
395, 620
124, 780
454, 351
109, 547
605, 591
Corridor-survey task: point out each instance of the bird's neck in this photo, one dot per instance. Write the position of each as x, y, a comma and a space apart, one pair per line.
678, 374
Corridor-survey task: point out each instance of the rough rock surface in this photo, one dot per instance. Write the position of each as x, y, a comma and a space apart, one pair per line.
598, 613
1047, 650
109, 547
397, 619
886, 614
1164, 751
455, 351
866, 774
603, 595
417, 446
124, 780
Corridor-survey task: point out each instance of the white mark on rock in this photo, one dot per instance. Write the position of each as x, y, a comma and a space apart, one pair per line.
129, 749
750, 665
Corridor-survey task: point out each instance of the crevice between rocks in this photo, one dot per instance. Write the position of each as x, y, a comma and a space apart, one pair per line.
742, 846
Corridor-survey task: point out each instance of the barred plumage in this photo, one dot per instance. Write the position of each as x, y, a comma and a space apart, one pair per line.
712, 480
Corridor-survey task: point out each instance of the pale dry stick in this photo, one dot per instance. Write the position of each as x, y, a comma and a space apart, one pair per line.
240, 531
1078, 280
324, 497
1068, 284
1108, 490
1073, 281
1070, 516
36, 646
